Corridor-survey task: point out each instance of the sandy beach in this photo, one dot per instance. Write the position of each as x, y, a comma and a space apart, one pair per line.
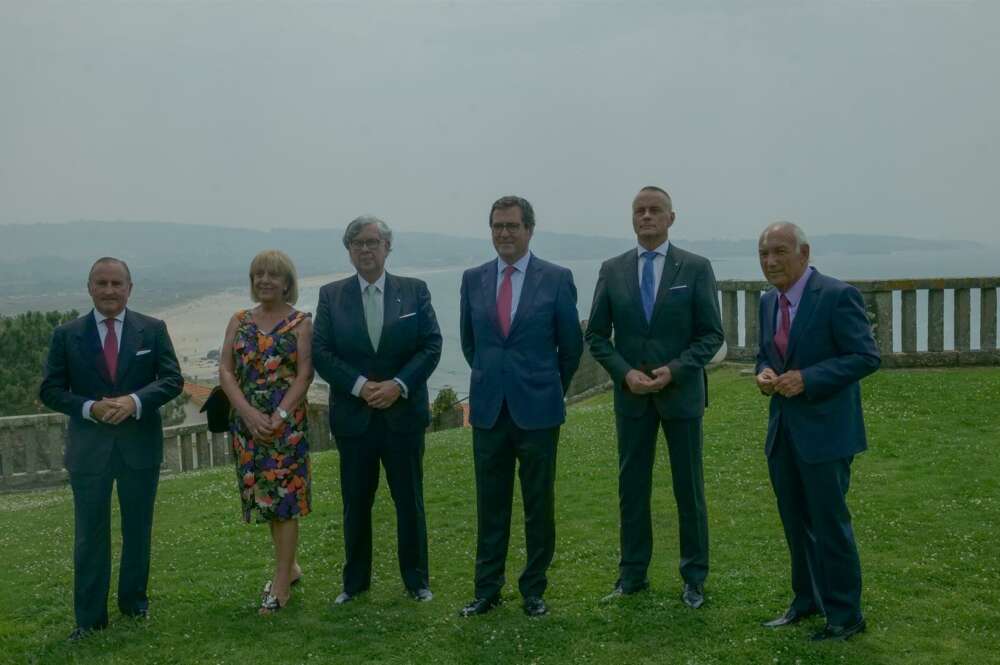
196, 327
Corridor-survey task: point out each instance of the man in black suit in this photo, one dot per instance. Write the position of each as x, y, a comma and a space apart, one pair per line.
521, 337
654, 325
110, 371
816, 344
375, 342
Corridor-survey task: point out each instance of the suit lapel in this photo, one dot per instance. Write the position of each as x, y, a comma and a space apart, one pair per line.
356, 312
391, 307
529, 286
630, 263
671, 268
770, 312
91, 340
804, 312
488, 283
131, 339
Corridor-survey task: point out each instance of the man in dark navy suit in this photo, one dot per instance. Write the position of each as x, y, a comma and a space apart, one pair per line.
654, 326
521, 335
375, 342
110, 371
816, 344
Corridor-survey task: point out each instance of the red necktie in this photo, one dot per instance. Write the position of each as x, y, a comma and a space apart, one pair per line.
784, 325
504, 300
111, 348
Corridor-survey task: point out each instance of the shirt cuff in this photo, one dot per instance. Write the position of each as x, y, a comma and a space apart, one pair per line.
138, 406
86, 410
358, 385
404, 391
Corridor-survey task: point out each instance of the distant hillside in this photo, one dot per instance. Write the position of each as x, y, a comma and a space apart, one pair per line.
43, 266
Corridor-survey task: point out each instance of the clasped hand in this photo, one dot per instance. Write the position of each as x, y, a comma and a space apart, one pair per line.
640, 383
380, 394
261, 427
113, 410
788, 384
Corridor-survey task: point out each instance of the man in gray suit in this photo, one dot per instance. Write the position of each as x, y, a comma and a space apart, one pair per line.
654, 325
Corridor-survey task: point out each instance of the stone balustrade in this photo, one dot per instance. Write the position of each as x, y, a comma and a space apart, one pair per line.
895, 307
31, 447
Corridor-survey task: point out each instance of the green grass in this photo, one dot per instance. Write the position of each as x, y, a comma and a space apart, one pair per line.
925, 500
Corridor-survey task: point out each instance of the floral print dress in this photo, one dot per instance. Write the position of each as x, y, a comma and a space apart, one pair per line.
274, 477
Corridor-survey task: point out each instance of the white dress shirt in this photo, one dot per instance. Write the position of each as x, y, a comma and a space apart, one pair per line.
658, 261
379, 285
516, 280
102, 330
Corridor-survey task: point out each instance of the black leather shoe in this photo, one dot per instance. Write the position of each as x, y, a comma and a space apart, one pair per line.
420, 595
839, 632
345, 597
534, 606
619, 592
790, 617
140, 612
81, 633
693, 595
480, 606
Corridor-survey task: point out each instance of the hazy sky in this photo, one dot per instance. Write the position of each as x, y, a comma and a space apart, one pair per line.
875, 117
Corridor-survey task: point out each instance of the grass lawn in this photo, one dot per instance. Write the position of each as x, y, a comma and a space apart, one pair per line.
926, 506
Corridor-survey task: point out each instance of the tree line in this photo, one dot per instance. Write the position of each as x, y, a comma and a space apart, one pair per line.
24, 346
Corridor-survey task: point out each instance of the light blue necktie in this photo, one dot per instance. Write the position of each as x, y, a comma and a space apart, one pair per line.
647, 287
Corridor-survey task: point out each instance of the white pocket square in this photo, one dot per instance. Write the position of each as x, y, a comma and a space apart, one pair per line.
143, 352
682, 286
406, 316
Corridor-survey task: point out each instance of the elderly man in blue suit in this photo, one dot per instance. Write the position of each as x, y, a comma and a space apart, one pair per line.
816, 344
375, 342
110, 371
521, 336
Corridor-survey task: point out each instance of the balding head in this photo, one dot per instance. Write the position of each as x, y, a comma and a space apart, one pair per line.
784, 254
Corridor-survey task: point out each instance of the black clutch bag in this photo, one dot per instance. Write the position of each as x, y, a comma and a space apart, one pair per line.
217, 409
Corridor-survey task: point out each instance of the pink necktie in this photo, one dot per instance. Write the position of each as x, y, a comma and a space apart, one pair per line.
784, 324
111, 348
504, 300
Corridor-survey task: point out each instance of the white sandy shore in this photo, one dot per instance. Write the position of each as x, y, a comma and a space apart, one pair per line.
197, 326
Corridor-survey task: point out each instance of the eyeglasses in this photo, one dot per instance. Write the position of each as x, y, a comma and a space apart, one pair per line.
370, 243
512, 227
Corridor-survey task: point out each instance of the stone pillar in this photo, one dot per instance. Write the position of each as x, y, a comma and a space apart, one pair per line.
935, 319
988, 319
963, 311
752, 317
909, 321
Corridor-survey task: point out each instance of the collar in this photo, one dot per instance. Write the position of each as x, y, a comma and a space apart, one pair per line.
379, 283
100, 318
794, 293
521, 265
661, 250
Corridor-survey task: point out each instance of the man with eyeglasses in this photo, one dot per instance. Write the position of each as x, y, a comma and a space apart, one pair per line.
521, 335
375, 342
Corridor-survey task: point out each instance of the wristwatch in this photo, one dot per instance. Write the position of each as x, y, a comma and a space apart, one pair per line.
282, 413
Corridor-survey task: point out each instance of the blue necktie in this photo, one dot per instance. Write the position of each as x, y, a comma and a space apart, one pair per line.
647, 287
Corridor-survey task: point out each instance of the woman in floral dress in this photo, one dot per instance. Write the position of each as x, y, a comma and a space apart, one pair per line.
265, 370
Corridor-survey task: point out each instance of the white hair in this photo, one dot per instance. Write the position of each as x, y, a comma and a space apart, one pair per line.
800, 235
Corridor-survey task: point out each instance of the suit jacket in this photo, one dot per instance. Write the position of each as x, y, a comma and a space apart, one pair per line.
831, 343
76, 372
409, 349
684, 333
532, 367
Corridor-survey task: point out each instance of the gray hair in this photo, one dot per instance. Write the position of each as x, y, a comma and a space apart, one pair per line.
800, 235
358, 225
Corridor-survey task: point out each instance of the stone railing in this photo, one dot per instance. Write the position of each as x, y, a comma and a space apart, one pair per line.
909, 317
31, 447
